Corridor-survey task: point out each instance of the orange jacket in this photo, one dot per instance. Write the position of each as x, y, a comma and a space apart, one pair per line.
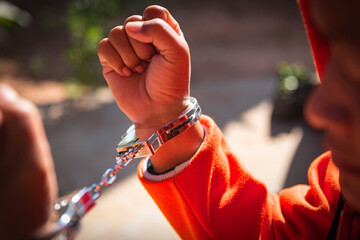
215, 197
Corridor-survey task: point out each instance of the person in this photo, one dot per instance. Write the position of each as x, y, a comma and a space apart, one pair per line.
28, 181
198, 183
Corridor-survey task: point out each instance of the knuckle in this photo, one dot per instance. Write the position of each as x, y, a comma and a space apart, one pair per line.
25, 112
134, 63
116, 33
155, 11
118, 66
133, 18
27, 109
130, 59
103, 45
147, 54
157, 23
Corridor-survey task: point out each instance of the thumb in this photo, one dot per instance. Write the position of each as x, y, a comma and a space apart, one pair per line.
155, 11
167, 41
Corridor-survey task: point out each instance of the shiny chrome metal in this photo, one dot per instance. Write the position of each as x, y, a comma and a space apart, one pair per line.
71, 208
162, 135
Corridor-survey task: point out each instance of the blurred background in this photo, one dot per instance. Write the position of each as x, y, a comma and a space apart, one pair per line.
251, 71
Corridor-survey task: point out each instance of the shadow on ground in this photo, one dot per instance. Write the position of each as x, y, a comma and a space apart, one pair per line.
309, 147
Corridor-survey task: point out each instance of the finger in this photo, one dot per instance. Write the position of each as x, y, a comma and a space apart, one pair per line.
7, 94
120, 42
22, 132
169, 44
144, 51
1, 119
111, 60
156, 11
20, 117
22, 127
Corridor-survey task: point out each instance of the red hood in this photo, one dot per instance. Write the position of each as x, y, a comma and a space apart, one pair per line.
319, 46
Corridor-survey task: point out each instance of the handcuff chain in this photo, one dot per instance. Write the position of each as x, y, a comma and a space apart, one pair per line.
80, 203
122, 160
73, 207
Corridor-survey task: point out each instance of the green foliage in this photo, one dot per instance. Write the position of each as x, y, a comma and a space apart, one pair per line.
12, 16
83, 22
37, 64
74, 89
292, 77
294, 86
87, 22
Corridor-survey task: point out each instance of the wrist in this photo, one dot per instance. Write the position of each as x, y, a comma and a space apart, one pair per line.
146, 128
130, 142
179, 149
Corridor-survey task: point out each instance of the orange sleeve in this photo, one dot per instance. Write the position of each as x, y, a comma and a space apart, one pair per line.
215, 197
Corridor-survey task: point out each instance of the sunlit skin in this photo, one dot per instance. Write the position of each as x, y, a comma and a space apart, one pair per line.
149, 76
156, 95
335, 106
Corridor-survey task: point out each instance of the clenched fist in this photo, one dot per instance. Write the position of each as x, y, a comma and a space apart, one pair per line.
146, 63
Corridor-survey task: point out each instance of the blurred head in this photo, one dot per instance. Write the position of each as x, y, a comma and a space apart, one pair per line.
335, 106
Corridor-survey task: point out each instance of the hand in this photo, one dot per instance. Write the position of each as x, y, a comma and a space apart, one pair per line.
27, 177
147, 66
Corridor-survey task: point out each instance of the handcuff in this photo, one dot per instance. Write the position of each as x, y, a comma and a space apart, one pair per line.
71, 208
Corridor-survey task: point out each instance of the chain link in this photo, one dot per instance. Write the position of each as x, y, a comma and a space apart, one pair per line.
109, 176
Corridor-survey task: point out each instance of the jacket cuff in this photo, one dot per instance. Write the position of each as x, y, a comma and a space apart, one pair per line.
149, 174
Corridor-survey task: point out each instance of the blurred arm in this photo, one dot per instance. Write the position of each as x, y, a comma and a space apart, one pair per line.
27, 177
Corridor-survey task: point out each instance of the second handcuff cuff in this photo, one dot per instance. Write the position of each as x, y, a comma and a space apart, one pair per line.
70, 209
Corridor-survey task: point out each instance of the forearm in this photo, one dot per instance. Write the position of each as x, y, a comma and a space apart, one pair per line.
28, 180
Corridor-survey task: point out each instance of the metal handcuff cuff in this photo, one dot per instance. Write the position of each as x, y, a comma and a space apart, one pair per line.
70, 209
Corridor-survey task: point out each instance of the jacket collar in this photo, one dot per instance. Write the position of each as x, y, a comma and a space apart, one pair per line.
319, 46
